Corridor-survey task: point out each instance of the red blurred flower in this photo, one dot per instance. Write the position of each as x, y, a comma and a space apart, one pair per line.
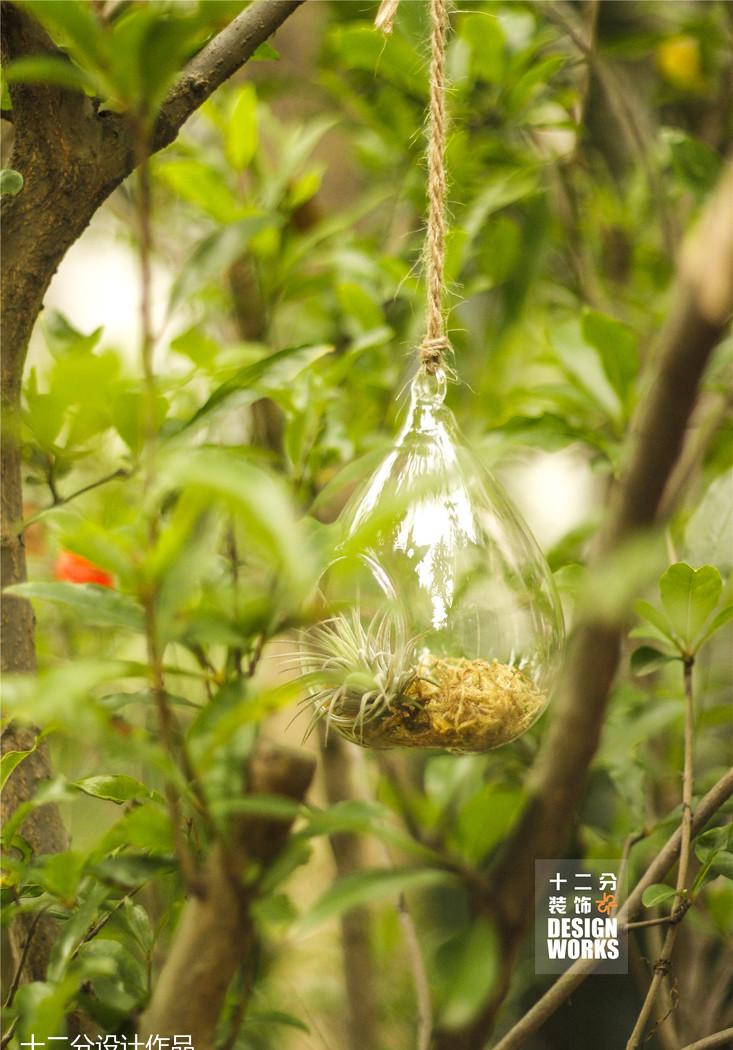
73, 568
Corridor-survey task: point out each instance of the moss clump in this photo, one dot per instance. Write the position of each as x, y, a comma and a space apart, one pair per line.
457, 704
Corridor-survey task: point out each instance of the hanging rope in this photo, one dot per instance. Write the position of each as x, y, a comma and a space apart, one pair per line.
435, 343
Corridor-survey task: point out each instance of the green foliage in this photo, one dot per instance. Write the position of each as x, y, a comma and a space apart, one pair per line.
130, 61
656, 894
366, 887
292, 236
690, 615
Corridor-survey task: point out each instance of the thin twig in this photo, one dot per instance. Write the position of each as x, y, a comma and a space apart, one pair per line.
7, 1036
714, 412
629, 843
23, 956
186, 860
662, 965
642, 923
573, 977
63, 500
724, 1038
419, 975
623, 110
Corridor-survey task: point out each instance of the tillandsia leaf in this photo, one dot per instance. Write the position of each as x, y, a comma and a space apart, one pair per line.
361, 670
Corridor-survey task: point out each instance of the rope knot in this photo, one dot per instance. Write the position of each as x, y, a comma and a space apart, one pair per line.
432, 353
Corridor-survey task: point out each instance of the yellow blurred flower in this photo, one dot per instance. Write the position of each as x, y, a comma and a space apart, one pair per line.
678, 60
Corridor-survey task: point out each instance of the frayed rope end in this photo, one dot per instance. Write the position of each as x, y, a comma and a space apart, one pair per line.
386, 15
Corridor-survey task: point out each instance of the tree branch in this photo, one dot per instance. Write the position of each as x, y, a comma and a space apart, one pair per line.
661, 966
218, 61
711, 1041
216, 932
703, 300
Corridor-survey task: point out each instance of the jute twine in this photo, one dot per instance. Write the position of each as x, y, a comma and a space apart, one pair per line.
435, 344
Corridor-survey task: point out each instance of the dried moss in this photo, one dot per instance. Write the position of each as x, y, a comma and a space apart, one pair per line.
457, 704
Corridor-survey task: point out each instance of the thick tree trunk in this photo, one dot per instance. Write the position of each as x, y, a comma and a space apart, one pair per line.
216, 933
61, 190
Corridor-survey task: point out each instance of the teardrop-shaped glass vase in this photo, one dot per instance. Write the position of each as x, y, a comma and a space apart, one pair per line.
445, 626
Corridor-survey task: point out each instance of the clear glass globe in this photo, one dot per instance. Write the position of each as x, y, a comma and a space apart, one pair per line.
445, 628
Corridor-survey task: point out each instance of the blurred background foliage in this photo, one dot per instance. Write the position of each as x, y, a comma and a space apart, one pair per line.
287, 227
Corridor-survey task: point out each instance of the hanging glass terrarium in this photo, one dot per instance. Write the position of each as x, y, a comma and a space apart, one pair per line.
445, 626
442, 627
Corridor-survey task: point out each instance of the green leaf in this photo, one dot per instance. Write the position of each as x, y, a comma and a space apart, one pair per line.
473, 836
267, 1018
260, 497
271, 373
42, 1008
48, 69
485, 38
352, 815
708, 532
63, 339
656, 618
359, 307
130, 870
646, 659
62, 693
582, 365
617, 347
368, 887
723, 864
97, 606
296, 853
355, 472
689, 596
472, 963
657, 893
720, 620
241, 132
113, 788
59, 874
710, 843
74, 930
11, 182
118, 975
360, 47
142, 827
217, 252
265, 52
694, 163
75, 23
208, 189
10, 761
276, 807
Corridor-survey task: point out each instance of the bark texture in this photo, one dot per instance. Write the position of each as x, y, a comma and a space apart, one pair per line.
216, 932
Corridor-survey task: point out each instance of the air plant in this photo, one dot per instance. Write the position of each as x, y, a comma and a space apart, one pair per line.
361, 673
371, 684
